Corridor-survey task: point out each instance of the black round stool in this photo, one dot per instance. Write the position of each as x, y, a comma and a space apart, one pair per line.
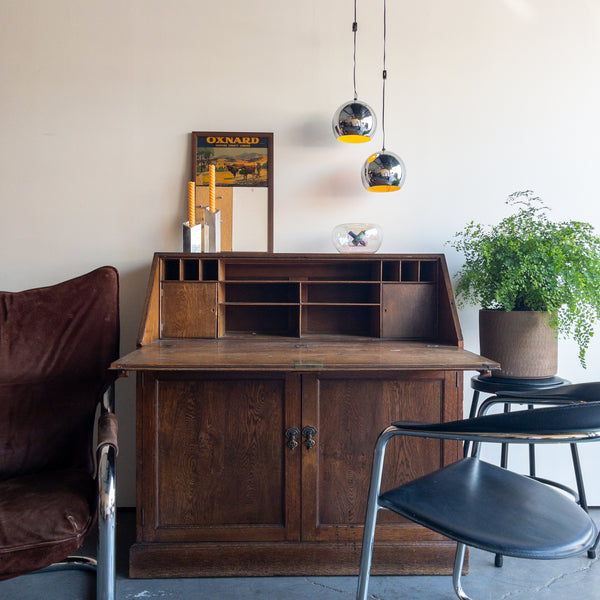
493, 385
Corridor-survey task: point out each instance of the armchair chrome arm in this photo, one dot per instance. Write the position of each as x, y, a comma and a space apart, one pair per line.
107, 451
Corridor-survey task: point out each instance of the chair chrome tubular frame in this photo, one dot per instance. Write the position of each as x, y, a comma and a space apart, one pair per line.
371, 519
373, 506
104, 566
372, 510
107, 510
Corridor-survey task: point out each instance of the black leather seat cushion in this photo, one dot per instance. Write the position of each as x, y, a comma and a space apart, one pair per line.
496, 510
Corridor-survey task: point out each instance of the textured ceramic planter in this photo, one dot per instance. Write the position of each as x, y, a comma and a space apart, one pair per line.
521, 341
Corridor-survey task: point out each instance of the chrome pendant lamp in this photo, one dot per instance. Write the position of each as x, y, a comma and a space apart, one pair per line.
383, 171
354, 122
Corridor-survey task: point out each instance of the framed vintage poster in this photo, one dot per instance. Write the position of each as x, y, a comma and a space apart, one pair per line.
243, 186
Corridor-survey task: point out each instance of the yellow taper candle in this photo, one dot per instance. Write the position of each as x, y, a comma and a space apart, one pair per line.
192, 203
211, 188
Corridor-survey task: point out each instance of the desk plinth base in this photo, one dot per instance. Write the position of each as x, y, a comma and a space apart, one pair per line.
148, 561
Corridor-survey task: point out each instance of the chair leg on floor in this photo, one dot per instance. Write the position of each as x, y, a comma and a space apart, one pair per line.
593, 550
456, 575
86, 563
371, 517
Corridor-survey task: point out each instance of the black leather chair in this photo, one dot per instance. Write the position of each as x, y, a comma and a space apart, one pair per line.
551, 396
485, 506
56, 344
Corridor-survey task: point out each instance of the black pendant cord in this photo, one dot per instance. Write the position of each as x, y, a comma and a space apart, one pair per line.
384, 75
354, 30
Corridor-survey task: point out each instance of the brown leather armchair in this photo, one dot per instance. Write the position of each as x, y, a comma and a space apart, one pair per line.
56, 344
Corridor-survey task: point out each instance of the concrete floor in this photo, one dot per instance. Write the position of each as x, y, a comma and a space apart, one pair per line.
518, 580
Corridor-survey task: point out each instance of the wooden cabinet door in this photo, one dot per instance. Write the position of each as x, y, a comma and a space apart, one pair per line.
213, 460
349, 410
189, 309
409, 311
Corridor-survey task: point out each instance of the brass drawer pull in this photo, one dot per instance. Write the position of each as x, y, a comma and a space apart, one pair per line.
309, 433
292, 434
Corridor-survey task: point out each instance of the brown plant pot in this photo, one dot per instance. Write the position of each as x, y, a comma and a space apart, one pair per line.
521, 341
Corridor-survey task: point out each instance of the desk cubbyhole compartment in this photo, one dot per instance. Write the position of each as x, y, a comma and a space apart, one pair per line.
191, 269
390, 270
279, 292
366, 270
260, 320
210, 270
346, 320
409, 270
171, 269
317, 270
340, 293
428, 270
257, 271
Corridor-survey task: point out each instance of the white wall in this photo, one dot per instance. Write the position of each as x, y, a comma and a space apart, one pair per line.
98, 99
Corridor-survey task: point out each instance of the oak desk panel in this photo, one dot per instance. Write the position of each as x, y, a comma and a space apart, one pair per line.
247, 429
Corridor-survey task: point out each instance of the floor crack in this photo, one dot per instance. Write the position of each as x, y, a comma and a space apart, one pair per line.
553, 580
325, 587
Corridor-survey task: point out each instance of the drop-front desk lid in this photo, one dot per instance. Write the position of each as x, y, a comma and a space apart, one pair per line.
299, 354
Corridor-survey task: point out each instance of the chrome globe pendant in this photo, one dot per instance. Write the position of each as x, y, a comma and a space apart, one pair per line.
383, 171
354, 122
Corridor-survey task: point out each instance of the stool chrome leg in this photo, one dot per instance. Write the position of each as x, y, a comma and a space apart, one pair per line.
582, 497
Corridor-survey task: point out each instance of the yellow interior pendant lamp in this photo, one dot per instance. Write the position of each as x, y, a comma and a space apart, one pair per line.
383, 171
354, 122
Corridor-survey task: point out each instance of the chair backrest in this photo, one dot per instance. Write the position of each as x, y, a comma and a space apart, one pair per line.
579, 418
56, 344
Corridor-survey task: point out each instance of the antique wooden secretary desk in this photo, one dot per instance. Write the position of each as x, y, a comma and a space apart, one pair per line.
263, 381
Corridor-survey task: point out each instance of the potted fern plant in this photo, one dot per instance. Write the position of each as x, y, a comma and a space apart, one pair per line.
535, 280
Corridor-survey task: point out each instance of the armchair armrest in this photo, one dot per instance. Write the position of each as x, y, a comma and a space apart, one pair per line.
108, 427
